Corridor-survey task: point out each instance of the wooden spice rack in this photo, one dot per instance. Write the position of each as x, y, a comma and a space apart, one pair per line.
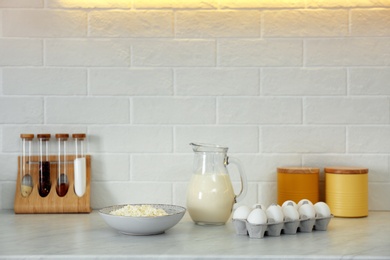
52, 203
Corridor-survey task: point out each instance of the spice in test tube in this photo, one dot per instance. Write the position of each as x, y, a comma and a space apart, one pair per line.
44, 165
62, 177
79, 165
25, 166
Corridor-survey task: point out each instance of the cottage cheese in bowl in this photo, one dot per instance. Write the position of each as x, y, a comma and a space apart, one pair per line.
142, 219
139, 211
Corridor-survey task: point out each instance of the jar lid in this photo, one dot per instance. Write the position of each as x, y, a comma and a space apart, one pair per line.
298, 170
78, 136
27, 136
62, 136
346, 170
44, 136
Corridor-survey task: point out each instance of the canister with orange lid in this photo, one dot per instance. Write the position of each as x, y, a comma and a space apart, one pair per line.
346, 191
296, 183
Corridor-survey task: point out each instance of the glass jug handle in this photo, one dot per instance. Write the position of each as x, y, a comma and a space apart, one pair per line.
244, 184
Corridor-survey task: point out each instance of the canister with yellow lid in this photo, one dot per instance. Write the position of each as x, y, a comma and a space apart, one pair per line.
346, 191
297, 183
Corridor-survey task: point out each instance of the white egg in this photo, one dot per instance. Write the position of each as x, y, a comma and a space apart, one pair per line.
304, 201
322, 209
290, 212
242, 212
257, 217
307, 210
290, 202
275, 212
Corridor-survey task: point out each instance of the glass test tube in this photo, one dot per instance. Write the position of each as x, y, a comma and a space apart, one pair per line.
79, 165
26, 181
62, 167
44, 165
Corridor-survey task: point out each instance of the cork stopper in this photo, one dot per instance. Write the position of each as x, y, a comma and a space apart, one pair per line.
62, 136
79, 136
27, 136
44, 137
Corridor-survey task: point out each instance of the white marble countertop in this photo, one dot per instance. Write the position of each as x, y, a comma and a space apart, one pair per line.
86, 236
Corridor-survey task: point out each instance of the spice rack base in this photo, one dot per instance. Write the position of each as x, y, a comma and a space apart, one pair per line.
52, 203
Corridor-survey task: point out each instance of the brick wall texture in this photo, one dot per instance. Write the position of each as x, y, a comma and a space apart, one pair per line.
281, 83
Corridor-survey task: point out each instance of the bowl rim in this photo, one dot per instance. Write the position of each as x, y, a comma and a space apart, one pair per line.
182, 210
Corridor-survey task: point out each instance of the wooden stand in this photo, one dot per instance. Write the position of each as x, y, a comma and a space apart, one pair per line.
53, 203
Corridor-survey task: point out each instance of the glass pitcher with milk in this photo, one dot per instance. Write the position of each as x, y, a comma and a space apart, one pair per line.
210, 194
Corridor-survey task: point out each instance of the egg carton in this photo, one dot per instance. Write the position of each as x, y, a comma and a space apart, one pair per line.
274, 229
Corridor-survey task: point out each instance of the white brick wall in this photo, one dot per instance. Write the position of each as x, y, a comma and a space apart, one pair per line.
87, 110
362, 81
305, 23
217, 82
131, 82
173, 53
44, 23
201, 24
44, 81
348, 52
21, 52
87, 53
25, 110
282, 83
304, 81
130, 24
168, 110
259, 52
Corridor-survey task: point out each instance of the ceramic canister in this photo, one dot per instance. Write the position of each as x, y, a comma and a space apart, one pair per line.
346, 191
297, 183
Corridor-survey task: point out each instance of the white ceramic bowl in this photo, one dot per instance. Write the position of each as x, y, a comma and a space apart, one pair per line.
143, 225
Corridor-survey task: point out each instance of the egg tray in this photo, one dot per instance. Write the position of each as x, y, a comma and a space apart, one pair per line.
288, 227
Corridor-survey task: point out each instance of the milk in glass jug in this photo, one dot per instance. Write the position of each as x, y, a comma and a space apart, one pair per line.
210, 194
